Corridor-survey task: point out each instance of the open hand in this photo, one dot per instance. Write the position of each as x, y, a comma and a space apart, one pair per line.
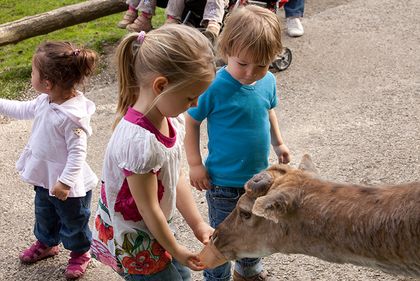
187, 258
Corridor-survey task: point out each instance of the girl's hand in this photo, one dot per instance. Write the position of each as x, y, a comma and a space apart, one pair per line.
60, 190
203, 232
187, 258
199, 178
282, 153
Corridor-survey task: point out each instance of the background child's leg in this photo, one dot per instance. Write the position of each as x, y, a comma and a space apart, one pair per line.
143, 22
294, 11
174, 11
213, 17
130, 15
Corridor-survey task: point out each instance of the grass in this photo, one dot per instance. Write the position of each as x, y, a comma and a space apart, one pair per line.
15, 60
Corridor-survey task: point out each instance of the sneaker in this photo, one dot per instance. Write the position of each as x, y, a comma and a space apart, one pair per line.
37, 252
77, 265
142, 23
129, 17
262, 276
294, 27
212, 31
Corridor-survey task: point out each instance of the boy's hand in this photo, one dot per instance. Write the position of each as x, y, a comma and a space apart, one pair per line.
199, 178
203, 232
283, 153
61, 191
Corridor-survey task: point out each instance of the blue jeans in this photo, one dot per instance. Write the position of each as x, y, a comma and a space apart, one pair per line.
221, 202
63, 221
174, 272
294, 8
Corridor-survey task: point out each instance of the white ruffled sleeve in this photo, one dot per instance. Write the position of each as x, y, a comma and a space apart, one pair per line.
140, 154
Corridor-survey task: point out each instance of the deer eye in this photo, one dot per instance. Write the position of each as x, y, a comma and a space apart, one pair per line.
245, 215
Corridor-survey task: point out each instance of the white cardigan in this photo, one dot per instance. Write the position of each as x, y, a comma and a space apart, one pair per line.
56, 150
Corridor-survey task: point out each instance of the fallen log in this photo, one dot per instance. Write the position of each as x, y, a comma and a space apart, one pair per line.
44, 23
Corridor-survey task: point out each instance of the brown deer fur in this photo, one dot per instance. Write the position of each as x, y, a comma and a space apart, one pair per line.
292, 211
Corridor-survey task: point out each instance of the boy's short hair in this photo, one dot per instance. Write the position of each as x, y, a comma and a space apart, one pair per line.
251, 29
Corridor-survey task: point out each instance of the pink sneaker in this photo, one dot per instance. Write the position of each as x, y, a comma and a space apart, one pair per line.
77, 265
38, 251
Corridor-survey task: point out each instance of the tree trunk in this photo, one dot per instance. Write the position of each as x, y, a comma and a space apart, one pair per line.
31, 26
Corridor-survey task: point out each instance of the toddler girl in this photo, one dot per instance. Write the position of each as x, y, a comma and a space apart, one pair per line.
54, 160
161, 74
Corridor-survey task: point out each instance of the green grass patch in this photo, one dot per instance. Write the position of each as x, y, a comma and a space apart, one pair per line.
15, 59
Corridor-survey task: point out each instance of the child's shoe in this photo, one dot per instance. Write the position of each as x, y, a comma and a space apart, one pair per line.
142, 23
77, 265
212, 31
37, 252
129, 17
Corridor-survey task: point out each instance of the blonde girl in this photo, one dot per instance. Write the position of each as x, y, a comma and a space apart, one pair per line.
54, 160
161, 74
241, 123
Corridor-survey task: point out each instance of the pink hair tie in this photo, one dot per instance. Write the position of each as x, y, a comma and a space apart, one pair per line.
141, 36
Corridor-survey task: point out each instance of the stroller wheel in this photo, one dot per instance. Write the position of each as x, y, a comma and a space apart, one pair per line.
283, 60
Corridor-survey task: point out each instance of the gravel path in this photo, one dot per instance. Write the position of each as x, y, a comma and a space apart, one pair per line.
351, 99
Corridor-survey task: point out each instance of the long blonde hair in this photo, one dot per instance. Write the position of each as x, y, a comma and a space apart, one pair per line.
179, 53
251, 30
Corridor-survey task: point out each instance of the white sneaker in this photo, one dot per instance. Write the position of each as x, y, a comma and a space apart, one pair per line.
294, 27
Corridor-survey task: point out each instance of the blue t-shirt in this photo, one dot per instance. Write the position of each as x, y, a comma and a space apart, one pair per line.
238, 127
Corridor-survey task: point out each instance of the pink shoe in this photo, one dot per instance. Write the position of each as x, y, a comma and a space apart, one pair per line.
38, 251
77, 265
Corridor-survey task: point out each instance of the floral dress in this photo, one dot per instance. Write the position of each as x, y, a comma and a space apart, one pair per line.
120, 237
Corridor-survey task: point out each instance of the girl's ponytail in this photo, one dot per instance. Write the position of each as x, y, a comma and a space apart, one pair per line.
128, 85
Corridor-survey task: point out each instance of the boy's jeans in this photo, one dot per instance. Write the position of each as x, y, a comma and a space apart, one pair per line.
63, 221
294, 8
221, 202
174, 272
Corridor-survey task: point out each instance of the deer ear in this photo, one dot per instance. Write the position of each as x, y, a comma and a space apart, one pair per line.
273, 205
307, 165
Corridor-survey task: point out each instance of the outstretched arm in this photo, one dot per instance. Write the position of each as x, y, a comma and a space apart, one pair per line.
279, 147
188, 209
199, 177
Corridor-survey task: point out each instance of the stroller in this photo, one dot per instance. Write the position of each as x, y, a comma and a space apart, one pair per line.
194, 10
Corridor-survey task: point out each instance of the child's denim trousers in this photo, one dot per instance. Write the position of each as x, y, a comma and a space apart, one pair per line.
174, 272
221, 202
63, 221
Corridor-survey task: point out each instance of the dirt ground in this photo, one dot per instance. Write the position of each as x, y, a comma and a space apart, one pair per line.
351, 99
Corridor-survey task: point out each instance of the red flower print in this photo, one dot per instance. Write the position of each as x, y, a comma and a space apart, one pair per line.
140, 264
105, 232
